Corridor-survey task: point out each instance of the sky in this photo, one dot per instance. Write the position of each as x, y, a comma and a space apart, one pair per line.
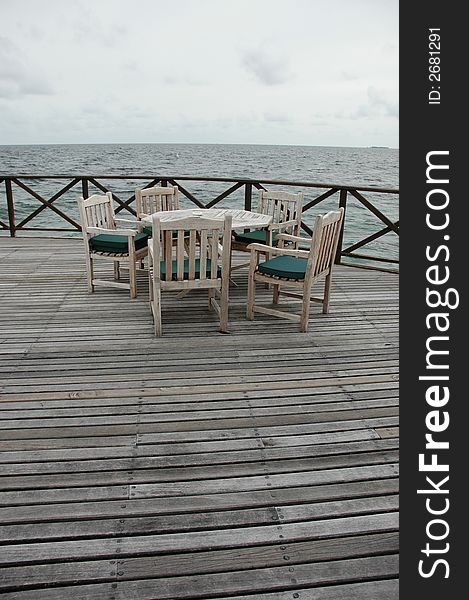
300, 72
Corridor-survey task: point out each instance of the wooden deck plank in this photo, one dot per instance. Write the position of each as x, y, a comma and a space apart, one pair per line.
161, 473
195, 504
254, 580
260, 464
196, 521
70, 461
202, 562
140, 442
195, 541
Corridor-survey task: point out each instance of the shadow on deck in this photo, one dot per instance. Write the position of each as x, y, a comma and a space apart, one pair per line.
259, 464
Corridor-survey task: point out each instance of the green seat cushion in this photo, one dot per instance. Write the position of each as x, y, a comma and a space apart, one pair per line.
256, 236
109, 242
287, 267
186, 269
149, 232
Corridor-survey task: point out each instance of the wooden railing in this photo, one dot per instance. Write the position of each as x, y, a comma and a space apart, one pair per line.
84, 185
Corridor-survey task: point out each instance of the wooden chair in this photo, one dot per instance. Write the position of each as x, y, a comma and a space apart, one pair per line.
103, 240
155, 199
285, 208
297, 268
206, 266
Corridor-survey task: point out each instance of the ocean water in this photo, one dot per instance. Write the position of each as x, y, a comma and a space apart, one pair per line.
329, 165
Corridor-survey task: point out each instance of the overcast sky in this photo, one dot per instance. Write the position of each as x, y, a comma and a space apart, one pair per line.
312, 72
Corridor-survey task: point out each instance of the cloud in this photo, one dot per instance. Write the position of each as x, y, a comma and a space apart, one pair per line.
349, 76
17, 77
184, 79
390, 49
246, 82
87, 26
266, 68
276, 117
320, 123
378, 105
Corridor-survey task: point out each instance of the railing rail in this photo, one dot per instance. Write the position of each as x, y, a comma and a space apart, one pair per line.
345, 195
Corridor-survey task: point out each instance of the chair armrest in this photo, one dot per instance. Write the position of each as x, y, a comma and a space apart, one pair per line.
283, 225
144, 217
126, 232
278, 251
128, 221
138, 224
260, 248
294, 238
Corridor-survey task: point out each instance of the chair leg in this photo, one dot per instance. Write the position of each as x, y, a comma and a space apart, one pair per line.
150, 289
327, 294
89, 273
267, 256
305, 311
117, 270
224, 304
251, 297
211, 294
276, 294
157, 310
231, 258
133, 279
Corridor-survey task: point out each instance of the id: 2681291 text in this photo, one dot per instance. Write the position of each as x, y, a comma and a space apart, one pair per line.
434, 66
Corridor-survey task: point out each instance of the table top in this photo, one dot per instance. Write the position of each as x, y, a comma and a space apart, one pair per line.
241, 218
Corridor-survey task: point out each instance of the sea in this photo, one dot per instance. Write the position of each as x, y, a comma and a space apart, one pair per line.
373, 166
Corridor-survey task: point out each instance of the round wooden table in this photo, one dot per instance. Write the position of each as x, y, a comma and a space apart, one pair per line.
242, 219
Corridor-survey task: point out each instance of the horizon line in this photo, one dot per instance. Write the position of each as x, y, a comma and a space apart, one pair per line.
195, 144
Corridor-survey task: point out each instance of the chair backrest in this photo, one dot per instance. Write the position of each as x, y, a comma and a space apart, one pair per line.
282, 206
155, 199
97, 211
200, 238
326, 235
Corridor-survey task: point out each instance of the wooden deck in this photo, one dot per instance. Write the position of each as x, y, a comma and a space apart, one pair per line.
256, 465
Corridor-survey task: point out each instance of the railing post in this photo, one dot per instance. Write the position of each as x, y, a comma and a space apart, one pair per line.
84, 188
342, 204
10, 207
248, 196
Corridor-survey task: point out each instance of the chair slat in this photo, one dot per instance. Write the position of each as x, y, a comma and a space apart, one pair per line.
214, 253
156, 242
203, 254
104, 219
323, 250
180, 254
330, 245
168, 254
92, 216
192, 253
110, 215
